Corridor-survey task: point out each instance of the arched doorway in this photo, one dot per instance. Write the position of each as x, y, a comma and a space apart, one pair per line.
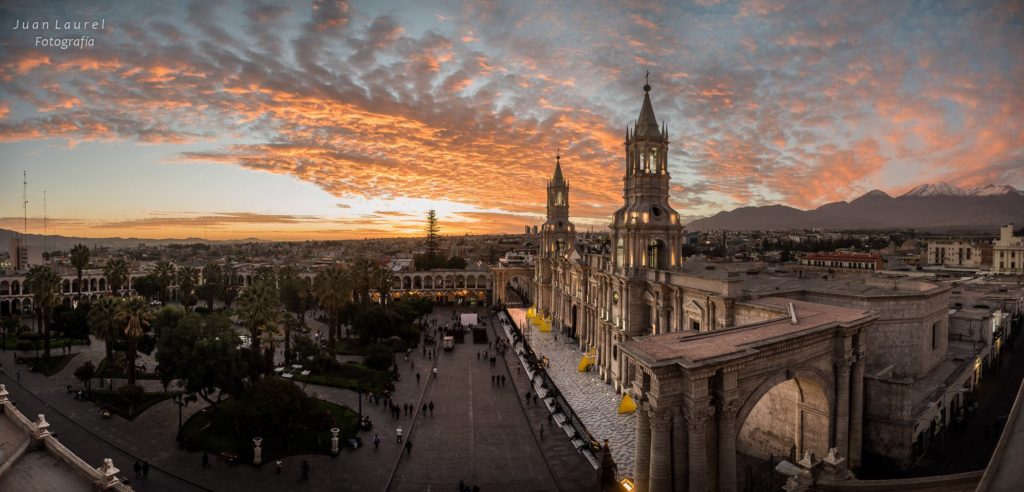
783, 419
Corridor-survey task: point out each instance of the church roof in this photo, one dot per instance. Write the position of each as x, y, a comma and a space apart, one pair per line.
647, 123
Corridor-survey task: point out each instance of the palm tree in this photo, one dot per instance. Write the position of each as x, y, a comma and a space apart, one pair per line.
116, 271
44, 284
135, 315
363, 278
260, 309
188, 277
103, 322
213, 281
332, 288
229, 286
164, 274
382, 282
297, 297
80, 260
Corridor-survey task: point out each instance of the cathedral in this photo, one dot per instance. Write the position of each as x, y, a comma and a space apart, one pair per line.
631, 287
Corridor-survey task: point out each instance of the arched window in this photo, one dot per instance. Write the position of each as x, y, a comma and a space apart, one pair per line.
620, 253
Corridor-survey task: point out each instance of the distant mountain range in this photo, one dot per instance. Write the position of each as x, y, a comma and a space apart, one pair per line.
935, 207
64, 243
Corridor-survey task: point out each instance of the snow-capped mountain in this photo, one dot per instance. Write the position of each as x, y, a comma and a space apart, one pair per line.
946, 189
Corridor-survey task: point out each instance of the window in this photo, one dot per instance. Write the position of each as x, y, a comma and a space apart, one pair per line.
695, 325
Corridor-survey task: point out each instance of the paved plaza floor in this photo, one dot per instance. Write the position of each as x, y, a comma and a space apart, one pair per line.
595, 402
478, 433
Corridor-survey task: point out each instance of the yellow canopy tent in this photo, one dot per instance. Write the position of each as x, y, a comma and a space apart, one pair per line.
587, 360
627, 405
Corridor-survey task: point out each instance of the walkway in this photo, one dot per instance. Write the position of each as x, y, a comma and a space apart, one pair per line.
477, 432
595, 402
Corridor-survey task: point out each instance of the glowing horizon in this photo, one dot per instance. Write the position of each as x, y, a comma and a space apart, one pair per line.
338, 120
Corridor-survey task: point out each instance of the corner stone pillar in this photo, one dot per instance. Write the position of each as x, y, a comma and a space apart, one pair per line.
843, 406
642, 467
697, 420
727, 445
680, 456
857, 412
661, 452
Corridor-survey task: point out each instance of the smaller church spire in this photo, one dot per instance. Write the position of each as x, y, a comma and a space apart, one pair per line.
558, 180
647, 123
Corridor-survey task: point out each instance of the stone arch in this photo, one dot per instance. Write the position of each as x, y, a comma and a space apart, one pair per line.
657, 255
417, 282
65, 287
93, 285
103, 284
460, 281
15, 287
428, 282
789, 409
5, 288
406, 282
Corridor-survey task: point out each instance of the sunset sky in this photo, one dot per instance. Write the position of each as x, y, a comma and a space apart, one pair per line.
341, 119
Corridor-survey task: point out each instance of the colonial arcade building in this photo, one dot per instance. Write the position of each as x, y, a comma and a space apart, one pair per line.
728, 363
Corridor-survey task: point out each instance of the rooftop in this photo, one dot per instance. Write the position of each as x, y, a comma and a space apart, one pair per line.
700, 348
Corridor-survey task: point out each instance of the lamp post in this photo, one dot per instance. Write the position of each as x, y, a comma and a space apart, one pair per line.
179, 400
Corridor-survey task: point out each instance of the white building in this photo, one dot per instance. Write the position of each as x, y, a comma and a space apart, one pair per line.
1008, 252
959, 253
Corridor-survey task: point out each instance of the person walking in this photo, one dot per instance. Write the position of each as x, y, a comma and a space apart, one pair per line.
398, 434
431, 407
376, 441
305, 470
145, 469
541, 426
278, 465
417, 378
206, 459
435, 373
408, 448
138, 469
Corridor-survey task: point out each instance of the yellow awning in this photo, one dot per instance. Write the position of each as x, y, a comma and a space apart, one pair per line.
627, 405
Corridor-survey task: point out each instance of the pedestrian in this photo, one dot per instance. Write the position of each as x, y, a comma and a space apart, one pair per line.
408, 448
376, 441
477, 355
435, 373
503, 380
278, 464
417, 379
305, 470
398, 434
541, 426
145, 469
492, 379
431, 407
17, 375
138, 469
424, 409
206, 459
534, 399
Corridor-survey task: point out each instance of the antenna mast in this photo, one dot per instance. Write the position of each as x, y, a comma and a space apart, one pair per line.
24, 204
44, 221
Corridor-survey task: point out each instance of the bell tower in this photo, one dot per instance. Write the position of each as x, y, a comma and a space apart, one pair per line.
558, 232
646, 232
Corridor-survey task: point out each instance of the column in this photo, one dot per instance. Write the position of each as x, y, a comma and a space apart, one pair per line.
642, 468
697, 420
680, 460
661, 452
843, 407
727, 446
857, 412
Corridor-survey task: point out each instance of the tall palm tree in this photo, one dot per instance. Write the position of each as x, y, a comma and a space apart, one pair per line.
382, 282
258, 307
363, 271
80, 260
44, 284
333, 288
297, 297
103, 322
188, 277
116, 271
228, 290
135, 315
213, 281
164, 274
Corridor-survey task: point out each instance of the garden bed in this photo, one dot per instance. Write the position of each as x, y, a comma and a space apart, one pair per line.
355, 377
125, 407
213, 430
51, 367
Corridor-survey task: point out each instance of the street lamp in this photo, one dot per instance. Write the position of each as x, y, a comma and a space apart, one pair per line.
179, 400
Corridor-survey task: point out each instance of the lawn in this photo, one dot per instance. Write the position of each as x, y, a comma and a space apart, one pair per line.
214, 430
128, 408
351, 376
10, 342
51, 367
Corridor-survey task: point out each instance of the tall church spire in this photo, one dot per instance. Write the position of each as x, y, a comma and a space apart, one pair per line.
558, 179
647, 123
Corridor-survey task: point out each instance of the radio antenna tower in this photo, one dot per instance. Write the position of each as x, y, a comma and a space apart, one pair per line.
44, 221
24, 204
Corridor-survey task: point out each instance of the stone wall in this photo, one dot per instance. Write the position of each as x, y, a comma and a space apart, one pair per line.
888, 428
748, 314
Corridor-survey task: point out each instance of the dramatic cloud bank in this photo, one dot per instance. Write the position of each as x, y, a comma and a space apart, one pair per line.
800, 103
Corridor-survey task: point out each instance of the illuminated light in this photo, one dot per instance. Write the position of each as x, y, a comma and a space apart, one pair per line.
627, 484
647, 217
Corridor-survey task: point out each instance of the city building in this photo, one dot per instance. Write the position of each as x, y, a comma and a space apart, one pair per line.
959, 253
842, 261
1008, 252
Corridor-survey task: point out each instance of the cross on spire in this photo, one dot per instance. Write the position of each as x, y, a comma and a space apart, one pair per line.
647, 81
